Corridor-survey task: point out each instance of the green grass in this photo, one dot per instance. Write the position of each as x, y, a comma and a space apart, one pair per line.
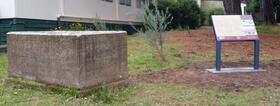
140, 61
268, 29
3, 66
141, 94
174, 94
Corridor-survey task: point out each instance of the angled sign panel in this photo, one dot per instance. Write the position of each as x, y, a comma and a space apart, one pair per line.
234, 27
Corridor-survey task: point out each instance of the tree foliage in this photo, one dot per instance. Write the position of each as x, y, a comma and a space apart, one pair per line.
253, 6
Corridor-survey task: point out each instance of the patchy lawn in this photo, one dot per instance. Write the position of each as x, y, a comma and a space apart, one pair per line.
199, 55
180, 81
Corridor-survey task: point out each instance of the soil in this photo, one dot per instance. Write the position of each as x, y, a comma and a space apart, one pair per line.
197, 76
203, 40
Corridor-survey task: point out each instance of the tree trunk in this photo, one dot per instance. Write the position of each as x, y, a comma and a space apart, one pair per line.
268, 12
276, 8
278, 15
232, 7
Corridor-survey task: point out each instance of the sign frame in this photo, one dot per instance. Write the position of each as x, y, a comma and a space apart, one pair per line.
256, 64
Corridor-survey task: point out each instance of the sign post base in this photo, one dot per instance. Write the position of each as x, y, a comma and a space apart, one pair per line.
235, 70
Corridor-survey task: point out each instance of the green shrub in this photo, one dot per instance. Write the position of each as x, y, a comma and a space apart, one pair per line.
185, 13
216, 11
74, 26
213, 11
203, 17
253, 6
78, 27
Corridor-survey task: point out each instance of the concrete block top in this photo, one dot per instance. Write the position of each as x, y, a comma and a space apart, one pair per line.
65, 33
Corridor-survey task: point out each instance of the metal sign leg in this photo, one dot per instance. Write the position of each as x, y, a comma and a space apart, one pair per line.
256, 54
219, 69
218, 55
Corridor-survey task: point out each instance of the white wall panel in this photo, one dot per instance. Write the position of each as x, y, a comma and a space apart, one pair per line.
130, 13
37, 9
7, 8
52, 9
90, 9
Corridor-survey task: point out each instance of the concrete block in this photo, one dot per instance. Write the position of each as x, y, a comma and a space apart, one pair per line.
77, 59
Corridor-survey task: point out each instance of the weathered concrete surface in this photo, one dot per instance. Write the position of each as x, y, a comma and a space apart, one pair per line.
79, 59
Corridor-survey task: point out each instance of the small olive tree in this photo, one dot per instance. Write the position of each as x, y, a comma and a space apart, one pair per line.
155, 23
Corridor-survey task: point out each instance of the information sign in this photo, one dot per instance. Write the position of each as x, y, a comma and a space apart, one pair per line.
235, 28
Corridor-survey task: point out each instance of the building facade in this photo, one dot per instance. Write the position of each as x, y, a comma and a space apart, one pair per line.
40, 15
110, 10
37, 15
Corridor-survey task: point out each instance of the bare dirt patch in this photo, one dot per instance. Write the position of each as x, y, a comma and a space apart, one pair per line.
202, 41
196, 75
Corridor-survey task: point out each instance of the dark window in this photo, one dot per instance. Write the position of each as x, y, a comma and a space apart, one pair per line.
125, 2
108, 0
